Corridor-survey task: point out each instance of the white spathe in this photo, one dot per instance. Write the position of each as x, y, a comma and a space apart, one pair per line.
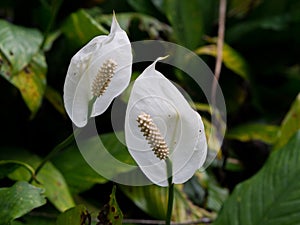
180, 125
85, 66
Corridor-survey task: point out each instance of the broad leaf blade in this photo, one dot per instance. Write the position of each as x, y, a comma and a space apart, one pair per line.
231, 58
189, 20
74, 216
18, 200
18, 44
78, 174
111, 212
80, 27
56, 189
272, 195
31, 81
153, 200
27, 68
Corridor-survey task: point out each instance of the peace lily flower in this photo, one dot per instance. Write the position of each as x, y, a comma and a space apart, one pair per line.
160, 125
97, 73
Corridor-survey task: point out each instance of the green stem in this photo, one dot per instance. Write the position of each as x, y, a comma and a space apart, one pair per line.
57, 149
26, 166
170, 191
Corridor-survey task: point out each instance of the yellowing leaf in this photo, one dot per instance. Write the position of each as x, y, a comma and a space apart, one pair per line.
31, 81
153, 200
231, 58
111, 213
74, 216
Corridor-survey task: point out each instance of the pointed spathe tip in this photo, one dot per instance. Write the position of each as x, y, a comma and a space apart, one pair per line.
115, 27
162, 58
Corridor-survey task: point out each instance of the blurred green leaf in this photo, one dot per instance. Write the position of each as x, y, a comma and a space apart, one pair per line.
51, 179
8, 166
146, 23
51, 38
18, 45
188, 20
271, 196
143, 6
111, 212
153, 200
80, 28
279, 22
290, 124
242, 8
110, 151
159, 4
253, 131
77, 215
55, 99
18, 200
231, 58
78, 174
42, 219
215, 194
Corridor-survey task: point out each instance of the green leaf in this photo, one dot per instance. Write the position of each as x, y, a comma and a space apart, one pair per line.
216, 195
56, 189
231, 58
43, 219
25, 67
111, 212
189, 20
290, 124
254, 131
153, 200
18, 200
78, 174
271, 196
80, 28
55, 99
143, 6
107, 149
74, 216
279, 22
242, 8
146, 23
18, 44
31, 81
8, 166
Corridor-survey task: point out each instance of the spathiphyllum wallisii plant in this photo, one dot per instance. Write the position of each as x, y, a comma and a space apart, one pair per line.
163, 133
97, 73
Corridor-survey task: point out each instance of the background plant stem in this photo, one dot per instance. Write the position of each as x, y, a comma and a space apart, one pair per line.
220, 42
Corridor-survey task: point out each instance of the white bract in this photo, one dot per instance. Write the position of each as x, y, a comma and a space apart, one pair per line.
160, 123
97, 73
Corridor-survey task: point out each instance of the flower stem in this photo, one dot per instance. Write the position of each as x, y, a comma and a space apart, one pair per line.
170, 191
